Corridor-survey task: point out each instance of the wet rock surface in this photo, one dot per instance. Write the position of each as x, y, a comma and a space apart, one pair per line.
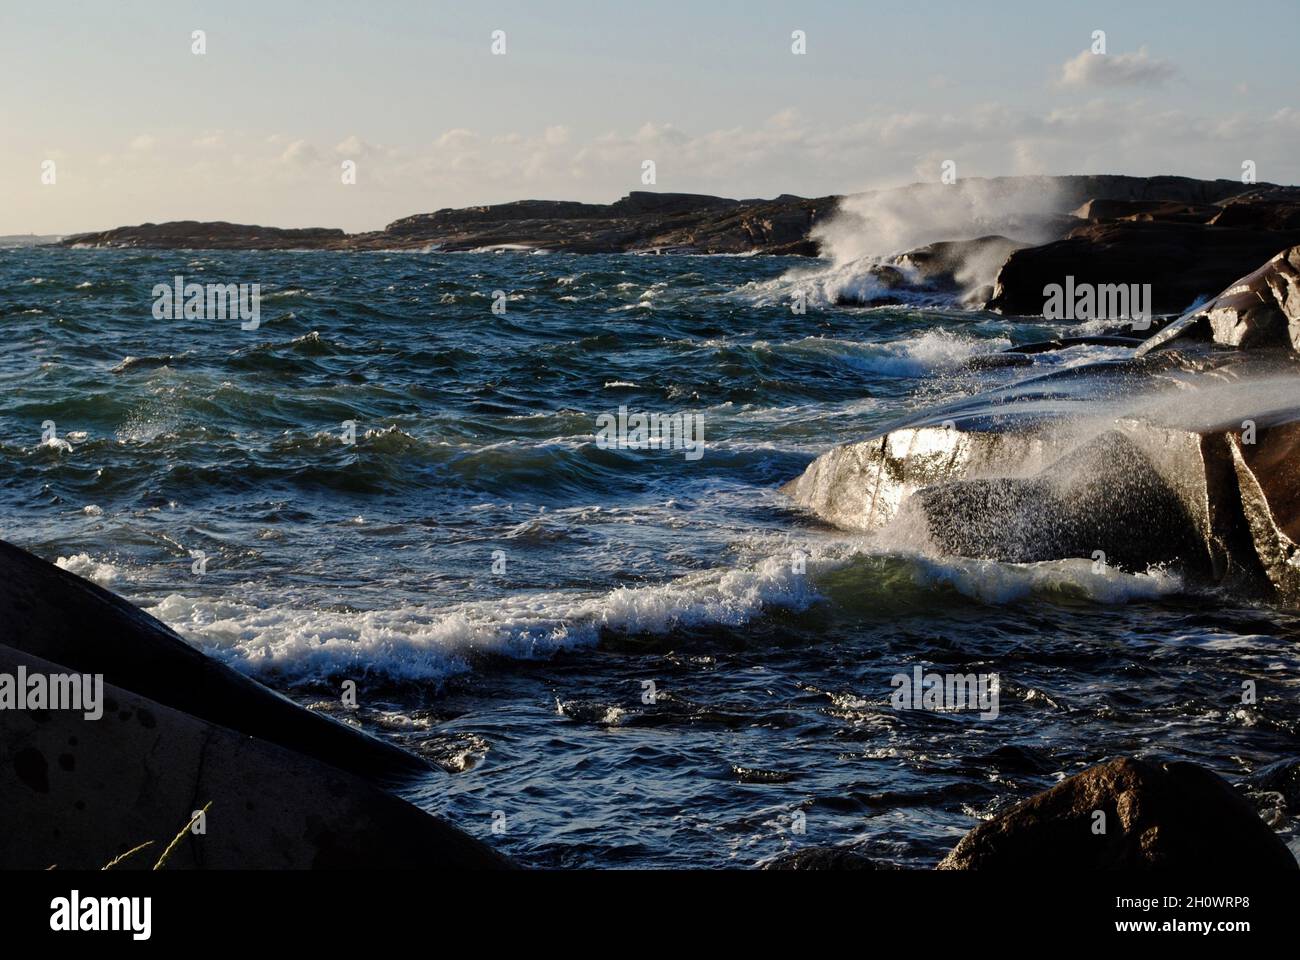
1022, 487
1105, 497
1260, 310
1127, 814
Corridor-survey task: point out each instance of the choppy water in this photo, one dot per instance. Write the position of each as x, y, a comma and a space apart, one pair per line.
374, 561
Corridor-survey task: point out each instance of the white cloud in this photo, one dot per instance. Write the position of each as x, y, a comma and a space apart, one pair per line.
1139, 69
144, 142
354, 146
300, 153
289, 180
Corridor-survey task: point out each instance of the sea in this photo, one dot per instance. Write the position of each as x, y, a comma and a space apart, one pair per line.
389, 500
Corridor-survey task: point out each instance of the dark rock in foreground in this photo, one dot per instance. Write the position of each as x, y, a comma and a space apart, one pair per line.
50, 613
87, 791
1158, 817
289, 788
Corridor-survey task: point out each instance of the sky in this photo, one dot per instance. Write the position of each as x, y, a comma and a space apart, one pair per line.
110, 101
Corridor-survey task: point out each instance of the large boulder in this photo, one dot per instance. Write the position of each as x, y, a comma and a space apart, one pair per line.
1153, 817
1105, 496
50, 613
86, 790
1060, 466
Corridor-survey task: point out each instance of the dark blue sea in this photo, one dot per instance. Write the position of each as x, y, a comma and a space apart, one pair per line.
608, 653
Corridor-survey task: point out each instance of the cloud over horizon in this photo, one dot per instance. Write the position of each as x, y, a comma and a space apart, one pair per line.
1138, 69
194, 176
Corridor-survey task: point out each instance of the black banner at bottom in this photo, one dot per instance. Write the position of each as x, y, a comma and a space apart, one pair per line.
340, 909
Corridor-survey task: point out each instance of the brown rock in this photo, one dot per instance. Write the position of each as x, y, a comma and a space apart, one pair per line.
1163, 210
1260, 310
1269, 208
1158, 817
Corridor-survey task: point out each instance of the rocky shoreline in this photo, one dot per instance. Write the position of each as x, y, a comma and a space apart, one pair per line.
1184, 454
305, 792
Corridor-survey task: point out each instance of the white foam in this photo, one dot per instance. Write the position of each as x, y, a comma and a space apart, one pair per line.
1001, 583
84, 565
431, 644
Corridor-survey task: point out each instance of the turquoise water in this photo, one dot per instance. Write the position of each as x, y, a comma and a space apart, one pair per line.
503, 591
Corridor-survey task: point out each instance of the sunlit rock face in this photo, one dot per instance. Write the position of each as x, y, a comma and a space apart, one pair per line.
1172, 459
1260, 310
860, 486
1268, 480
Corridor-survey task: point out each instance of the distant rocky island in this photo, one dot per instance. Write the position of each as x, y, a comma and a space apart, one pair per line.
641, 222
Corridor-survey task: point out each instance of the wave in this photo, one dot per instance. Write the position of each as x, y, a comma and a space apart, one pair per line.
431, 645
935, 351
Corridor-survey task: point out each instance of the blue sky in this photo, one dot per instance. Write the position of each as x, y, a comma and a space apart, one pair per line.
256, 129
